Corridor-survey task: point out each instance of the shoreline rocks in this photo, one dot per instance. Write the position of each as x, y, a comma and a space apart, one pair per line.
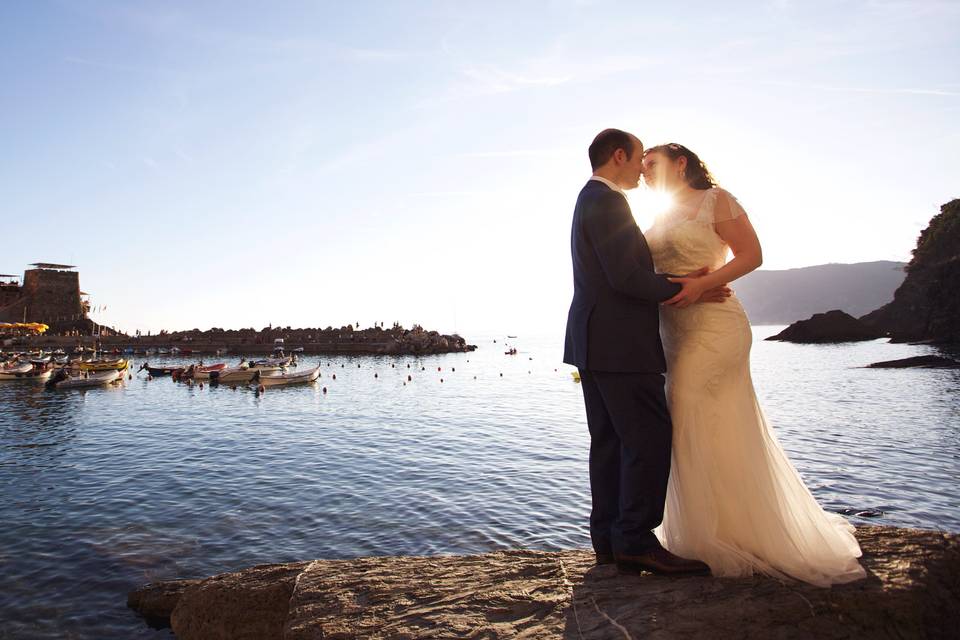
911, 590
830, 327
346, 340
918, 362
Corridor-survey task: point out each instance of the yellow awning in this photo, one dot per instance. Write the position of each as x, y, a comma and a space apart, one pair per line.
39, 327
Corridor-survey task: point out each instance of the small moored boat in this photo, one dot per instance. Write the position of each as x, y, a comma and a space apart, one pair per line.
63, 380
233, 375
104, 365
158, 371
17, 372
201, 372
278, 379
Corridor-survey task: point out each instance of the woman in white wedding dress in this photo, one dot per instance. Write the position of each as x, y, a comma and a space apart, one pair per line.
734, 500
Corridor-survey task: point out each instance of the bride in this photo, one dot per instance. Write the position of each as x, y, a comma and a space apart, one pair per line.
734, 500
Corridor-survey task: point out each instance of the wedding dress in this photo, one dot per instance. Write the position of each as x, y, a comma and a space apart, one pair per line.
734, 500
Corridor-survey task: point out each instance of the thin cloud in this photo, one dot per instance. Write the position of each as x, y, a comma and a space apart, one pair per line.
488, 79
109, 66
544, 71
517, 153
877, 90
377, 55
446, 194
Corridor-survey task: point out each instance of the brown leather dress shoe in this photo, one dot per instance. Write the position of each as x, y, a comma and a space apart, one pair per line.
661, 562
605, 558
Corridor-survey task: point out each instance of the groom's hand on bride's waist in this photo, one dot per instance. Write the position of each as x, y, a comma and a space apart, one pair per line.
693, 290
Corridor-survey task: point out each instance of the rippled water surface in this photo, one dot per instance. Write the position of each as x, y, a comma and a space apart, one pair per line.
106, 489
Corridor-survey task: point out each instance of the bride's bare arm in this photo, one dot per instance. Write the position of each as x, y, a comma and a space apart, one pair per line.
739, 234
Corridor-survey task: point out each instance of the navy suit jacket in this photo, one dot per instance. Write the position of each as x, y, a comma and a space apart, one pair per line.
614, 319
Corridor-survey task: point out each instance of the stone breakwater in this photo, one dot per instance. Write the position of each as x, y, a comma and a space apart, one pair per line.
911, 591
345, 340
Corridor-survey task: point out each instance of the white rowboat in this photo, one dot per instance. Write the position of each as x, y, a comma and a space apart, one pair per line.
16, 371
91, 380
289, 378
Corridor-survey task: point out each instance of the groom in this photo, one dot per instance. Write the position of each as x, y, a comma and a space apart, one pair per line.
613, 338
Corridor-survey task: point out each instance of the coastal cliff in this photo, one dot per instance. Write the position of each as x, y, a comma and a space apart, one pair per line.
911, 591
927, 305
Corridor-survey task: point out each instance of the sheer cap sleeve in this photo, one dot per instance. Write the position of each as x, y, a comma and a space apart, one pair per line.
721, 206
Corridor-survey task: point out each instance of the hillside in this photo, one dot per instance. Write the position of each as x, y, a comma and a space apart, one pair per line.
782, 297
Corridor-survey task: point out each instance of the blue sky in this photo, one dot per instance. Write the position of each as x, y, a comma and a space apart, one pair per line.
305, 163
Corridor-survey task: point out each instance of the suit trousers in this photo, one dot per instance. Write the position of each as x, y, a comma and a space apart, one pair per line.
630, 445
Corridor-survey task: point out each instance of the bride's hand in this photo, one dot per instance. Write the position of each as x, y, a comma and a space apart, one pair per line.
717, 294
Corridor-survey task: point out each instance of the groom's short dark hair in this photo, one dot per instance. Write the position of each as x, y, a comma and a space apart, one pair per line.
606, 143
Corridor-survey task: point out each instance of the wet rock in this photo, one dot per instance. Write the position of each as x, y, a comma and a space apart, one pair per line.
247, 605
829, 327
157, 600
911, 590
923, 362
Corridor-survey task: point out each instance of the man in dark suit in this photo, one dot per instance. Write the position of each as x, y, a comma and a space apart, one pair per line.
613, 338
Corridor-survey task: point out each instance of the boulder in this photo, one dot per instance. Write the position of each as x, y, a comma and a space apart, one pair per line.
832, 326
157, 600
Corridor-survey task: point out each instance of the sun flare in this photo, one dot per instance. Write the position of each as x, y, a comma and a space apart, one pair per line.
647, 204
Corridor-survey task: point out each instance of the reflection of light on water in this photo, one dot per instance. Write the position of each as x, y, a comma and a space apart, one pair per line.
647, 204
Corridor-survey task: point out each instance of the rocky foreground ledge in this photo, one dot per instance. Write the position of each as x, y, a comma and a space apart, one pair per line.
912, 591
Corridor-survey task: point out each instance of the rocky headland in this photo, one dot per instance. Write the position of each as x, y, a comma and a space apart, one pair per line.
911, 591
927, 305
925, 308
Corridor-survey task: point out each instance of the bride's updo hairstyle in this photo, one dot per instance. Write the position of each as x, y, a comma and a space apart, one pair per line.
696, 174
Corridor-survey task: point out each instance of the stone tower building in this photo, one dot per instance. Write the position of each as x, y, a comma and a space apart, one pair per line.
50, 293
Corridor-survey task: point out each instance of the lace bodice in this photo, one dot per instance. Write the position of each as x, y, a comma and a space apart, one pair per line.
683, 239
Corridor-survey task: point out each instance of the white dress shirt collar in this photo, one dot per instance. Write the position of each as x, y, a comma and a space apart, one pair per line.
612, 185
